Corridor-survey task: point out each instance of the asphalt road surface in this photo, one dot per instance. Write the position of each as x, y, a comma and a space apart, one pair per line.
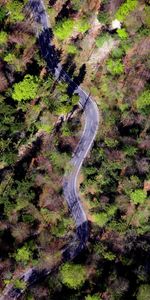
38, 13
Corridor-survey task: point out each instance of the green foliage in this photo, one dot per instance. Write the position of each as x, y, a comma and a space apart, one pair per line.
50, 217
15, 10
115, 67
130, 150
117, 52
93, 297
76, 4
109, 142
101, 219
3, 37
147, 16
72, 49
26, 89
125, 9
10, 58
19, 284
143, 102
102, 250
73, 275
23, 255
103, 17
61, 228
138, 196
64, 29
143, 292
102, 39
82, 25
122, 33
2, 13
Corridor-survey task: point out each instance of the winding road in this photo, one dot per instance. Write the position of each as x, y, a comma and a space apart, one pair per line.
71, 193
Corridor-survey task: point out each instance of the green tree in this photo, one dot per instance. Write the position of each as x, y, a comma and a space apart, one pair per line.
3, 37
23, 255
93, 297
115, 67
72, 49
2, 13
73, 275
102, 39
26, 89
15, 10
82, 25
64, 29
138, 196
143, 102
19, 284
10, 58
122, 33
125, 9
143, 292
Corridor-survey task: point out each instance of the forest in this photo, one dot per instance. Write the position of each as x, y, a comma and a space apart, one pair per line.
41, 123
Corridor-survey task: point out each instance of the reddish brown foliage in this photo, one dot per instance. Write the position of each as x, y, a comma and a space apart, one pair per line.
3, 82
137, 68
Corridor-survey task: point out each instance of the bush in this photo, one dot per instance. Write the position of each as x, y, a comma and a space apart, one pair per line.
19, 284
2, 13
143, 102
72, 49
117, 52
122, 33
82, 26
3, 37
101, 218
103, 17
23, 255
26, 89
125, 9
93, 297
102, 39
73, 275
64, 29
15, 10
10, 58
144, 292
138, 196
115, 67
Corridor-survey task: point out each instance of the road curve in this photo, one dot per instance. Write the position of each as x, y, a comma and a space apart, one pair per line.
71, 194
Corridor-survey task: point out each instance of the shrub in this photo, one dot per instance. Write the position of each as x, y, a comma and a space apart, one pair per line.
93, 297
72, 49
26, 89
117, 52
3, 37
101, 218
103, 17
23, 255
73, 275
115, 67
15, 10
138, 196
2, 13
143, 102
10, 58
82, 25
102, 39
64, 29
144, 292
19, 284
122, 33
125, 9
